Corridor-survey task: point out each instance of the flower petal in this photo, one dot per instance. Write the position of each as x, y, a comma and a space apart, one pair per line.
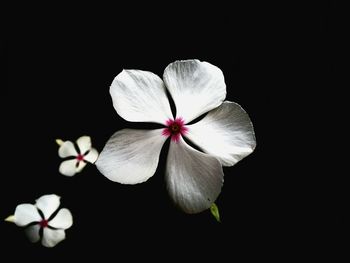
67, 149
68, 167
131, 156
48, 204
226, 133
80, 167
63, 219
194, 179
26, 214
91, 157
196, 87
140, 96
51, 237
32, 233
84, 144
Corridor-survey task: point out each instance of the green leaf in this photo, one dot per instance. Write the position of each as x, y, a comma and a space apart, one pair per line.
215, 212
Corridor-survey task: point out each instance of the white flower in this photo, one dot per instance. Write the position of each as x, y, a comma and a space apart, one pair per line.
194, 179
52, 229
80, 158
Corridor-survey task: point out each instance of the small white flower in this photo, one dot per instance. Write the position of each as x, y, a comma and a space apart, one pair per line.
78, 159
39, 216
225, 135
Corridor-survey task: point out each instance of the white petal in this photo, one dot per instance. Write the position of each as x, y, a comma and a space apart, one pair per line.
67, 149
26, 214
80, 167
194, 179
226, 133
48, 204
51, 237
196, 87
131, 156
84, 144
140, 96
32, 233
63, 219
68, 167
91, 157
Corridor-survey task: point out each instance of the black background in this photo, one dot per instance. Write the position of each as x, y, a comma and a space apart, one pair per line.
59, 65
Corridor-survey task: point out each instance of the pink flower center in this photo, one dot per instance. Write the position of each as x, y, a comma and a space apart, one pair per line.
80, 157
44, 223
175, 128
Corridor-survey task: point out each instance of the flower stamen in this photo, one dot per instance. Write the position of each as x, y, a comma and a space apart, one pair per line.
175, 128
80, 157
44, 223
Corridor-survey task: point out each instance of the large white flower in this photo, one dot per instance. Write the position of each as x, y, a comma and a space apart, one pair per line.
194, 179
40, 219
77, 159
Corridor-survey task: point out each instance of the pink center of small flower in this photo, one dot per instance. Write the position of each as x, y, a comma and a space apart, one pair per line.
80, 157
175, 128
44, 223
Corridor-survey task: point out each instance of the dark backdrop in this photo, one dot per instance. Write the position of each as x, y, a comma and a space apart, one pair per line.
60, 65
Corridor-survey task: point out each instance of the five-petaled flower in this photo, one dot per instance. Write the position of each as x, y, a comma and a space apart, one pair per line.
43, 220
78, 156
226, 135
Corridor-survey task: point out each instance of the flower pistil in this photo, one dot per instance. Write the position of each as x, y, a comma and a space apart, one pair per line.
175, 128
